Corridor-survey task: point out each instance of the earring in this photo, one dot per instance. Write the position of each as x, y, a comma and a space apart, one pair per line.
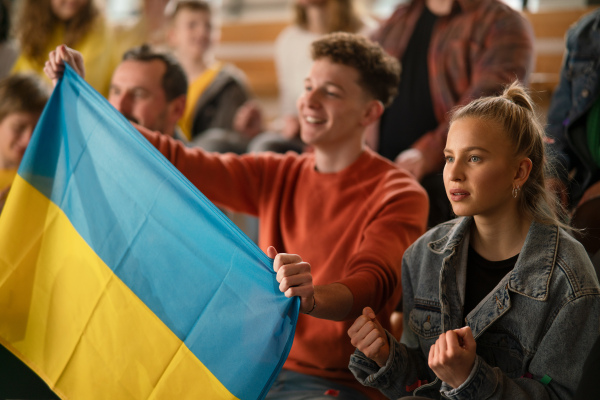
515, 191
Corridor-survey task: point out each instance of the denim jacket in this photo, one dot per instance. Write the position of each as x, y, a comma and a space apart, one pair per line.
533, 331
578, 89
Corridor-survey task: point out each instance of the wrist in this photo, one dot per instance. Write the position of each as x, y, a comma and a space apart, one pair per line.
313, 306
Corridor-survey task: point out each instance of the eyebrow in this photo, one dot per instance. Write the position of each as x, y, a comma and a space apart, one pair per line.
467, 149
307, 80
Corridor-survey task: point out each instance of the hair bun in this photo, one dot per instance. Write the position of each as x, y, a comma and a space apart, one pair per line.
517, 94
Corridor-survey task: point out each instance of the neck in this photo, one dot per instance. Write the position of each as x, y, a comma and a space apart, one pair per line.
193, 67
497, 239
317, 19
440, 7
334, 158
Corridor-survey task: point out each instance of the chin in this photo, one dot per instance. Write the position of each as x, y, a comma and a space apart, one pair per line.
461, 212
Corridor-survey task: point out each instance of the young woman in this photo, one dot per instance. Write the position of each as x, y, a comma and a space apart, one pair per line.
501, 303
44, 24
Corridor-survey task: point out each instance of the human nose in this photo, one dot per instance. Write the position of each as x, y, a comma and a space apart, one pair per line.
312, 98
122, 103
454, 171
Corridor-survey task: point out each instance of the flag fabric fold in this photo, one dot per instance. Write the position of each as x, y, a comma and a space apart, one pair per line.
119, 279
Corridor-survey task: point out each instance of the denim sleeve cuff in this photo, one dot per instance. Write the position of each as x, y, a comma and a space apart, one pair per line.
368, 372
481, 383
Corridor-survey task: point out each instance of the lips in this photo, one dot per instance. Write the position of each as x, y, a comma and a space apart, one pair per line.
458, 194
314, 120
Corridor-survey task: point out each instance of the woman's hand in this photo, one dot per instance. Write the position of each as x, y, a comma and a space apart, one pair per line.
367, 335
453, 355
55, 66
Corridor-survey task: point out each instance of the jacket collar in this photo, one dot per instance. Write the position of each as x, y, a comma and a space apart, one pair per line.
530, 278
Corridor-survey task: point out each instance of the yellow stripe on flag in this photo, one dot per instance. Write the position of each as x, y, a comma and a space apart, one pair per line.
63, 311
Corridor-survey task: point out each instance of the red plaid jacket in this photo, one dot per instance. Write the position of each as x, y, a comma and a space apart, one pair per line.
475, 50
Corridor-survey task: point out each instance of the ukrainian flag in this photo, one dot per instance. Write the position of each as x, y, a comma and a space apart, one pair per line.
120, 280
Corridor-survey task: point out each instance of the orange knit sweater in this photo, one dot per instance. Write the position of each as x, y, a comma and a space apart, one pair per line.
352, 227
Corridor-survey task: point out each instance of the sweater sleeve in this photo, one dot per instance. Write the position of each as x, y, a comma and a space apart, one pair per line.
227, 180
399, 218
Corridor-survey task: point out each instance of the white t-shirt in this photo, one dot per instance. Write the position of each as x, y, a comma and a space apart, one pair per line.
293, 61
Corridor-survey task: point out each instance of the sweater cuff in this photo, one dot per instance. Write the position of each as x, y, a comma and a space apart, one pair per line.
481, 383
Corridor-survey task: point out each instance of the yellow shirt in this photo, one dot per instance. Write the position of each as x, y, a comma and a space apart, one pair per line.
195, 90
6, 178
102, 48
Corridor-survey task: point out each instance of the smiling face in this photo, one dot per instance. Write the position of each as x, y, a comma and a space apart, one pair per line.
15, 132
191, 32
480, 169
333, 107
67, 9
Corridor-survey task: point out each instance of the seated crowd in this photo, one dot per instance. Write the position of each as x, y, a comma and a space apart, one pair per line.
410, 180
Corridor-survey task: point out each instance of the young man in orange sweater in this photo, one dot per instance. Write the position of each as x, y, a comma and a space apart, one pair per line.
341, 215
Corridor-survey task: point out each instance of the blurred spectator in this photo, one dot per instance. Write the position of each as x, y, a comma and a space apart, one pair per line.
216, 89
22, 99
42, 25
8, 48
574, 113
149, 87
451, 51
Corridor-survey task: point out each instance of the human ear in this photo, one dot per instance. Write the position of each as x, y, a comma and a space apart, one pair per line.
372, 113
523, 171
177, 108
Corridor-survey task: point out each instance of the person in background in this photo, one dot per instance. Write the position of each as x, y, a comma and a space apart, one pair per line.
490, 298
8, 48
451, 52
312, 20
22, 99
149, 88
574, 114
347, 211
41, 25
216, 89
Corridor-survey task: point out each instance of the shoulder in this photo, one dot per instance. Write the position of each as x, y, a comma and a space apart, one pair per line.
500, 14
390, 176
582, 28
283, 163
229, 74
232, 72
574, 262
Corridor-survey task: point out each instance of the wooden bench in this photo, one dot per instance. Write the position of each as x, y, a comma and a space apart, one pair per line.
250, 47
550, 28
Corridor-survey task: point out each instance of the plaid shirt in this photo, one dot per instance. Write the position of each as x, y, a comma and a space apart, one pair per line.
474, 51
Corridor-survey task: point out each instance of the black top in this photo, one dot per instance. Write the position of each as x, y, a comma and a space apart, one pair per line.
17, 381
482, 277
411, 114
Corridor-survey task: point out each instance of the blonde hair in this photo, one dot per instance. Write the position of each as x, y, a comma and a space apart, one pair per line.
513, 110
344, 17
36, 22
